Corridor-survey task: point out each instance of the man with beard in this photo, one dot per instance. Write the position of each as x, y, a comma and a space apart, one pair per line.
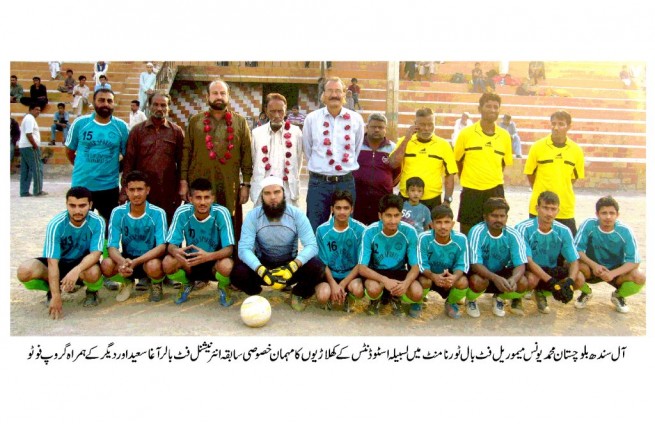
422, 154
217, 146
71, 251
332, 138
482, 151
375, 176
268, 250
154, 147
277, 151
206, 229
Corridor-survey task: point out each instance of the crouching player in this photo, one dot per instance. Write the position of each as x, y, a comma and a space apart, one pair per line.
338, 245
206, 228
140, 229
388, 259
608, 252
545, 240
443, 260
498, 258
73, 245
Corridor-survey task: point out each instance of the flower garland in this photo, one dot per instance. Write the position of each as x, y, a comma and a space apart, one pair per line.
209, 142
289, 145
328, 143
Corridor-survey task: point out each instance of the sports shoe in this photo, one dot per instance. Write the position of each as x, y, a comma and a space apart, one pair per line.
41, 193
327, 306
528, 295
175, 284
582, 301
374, 307
91, 299
199, 285
111, 284
516, 307
452, 310
124, 291
542, 302
156, 292
396, 307
224, 297
184, 293
472, 309
415, 310
141, 284
48, 298
298, 303
347, 304
620, 304
499, 307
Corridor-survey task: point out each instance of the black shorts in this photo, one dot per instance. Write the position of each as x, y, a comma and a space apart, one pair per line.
558, 273
394, 274
596, 280
471, 202
203, 272
65, 266
104, 201
491, 288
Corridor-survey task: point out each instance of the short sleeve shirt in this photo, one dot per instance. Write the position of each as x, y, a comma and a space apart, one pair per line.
395, 252
137, 235
64, 241
611, 249
211, 234
496, 253
544, 248
338, 249
435, 257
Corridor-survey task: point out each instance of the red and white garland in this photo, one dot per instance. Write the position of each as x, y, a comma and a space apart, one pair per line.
209, 142
289, 145
328, 143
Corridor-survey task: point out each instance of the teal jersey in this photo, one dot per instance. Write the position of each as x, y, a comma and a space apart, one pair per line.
611, 249
437, 258
211, 234
417, 216
544, 248
64, 241
137, 236
496, 253
338, 250
98, 148
380, 251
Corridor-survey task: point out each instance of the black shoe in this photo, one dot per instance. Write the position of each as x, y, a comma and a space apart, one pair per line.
111, 285
91, 299
141, 285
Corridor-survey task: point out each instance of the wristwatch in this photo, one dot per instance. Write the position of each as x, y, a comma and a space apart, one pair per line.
448, 199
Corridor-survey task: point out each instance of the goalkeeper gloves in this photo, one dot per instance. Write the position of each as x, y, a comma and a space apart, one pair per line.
562, 290
266, 275
285, 272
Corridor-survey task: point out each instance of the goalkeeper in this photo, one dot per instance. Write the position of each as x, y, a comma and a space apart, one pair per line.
268, 249
546, 239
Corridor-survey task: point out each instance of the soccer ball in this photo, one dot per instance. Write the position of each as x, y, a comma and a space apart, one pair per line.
255, 311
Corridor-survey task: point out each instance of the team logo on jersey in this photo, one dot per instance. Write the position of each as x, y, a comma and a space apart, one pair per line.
559, 156
349, 243
398, 245
488, 144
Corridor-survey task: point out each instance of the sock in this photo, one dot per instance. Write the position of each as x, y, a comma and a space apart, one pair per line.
585, 288
119, 279
179, 275
93, 287
369, 297
222, 280
105, 252
36, 284
511, 295
471, 295
455, 295
629, 288
407, 300
157, 281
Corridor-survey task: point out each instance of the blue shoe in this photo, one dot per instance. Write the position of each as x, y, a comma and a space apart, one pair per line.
224, 297
183, 296
415, 310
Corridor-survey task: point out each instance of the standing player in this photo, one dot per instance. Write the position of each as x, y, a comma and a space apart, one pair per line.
546, 239
207, 230
498, 259
72, 248
443, 260
555, 163
608, 252
388, 259
338, 245
140, 228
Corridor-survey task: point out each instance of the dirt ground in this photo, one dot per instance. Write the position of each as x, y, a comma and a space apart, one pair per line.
202, 315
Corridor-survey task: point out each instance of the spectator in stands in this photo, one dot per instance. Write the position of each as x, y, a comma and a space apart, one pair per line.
15, 90
136, 114
356, 89
510, 126
410, 70
38, 95
69, 83
461, 123
525, 90
100, 68
61, 123
350, 101
103, 84
375, 176
536, 70
477, 78
626, 76
147, 84
55, 68
80, 96
296, 118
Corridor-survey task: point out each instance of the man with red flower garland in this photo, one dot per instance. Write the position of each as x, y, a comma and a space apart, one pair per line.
332, 138
217, 146
277, 151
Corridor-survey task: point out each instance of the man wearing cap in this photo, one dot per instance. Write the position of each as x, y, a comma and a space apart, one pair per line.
147, 81
332, 139
268, 250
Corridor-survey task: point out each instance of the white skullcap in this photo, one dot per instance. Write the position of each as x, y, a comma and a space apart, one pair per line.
272, 180
150, 64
